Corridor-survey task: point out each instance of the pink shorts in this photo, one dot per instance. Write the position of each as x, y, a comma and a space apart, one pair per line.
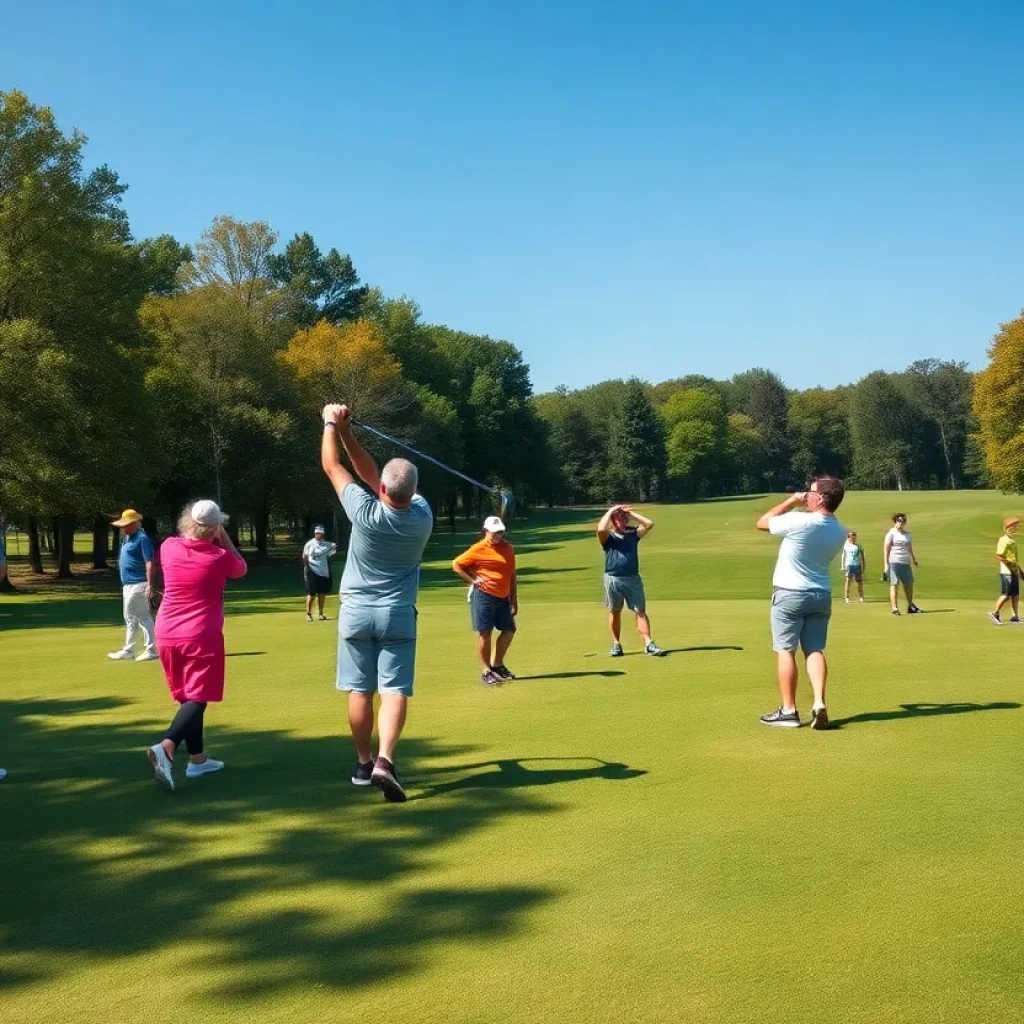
194, 671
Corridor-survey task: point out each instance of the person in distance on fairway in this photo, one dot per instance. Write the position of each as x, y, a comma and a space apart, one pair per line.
190, 627
802, 597
489, 567
316, 556
1009, 571
622, 582
136, 565
897, 554
391, 525
854, 565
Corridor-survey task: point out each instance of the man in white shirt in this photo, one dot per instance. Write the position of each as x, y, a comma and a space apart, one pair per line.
802, 599
316, 563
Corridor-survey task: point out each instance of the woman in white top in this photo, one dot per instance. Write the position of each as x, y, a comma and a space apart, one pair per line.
897, 556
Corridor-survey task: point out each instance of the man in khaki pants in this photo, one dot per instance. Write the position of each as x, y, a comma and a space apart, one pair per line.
136, 566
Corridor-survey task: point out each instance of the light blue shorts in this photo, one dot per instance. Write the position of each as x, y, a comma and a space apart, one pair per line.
800, 619
376, 649
625, 590
900, 572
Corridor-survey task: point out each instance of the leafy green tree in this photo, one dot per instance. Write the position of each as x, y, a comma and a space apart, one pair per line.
315, 286
820, 431
768, 408
637, 449
743, 455
695, 424
942, 391
884, 428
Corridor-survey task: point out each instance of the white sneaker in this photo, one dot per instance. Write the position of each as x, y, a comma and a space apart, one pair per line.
161, 767
847, 600
148, 656
121, 656
203, 768
860, 600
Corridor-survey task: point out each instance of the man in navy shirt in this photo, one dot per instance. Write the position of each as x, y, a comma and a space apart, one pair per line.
136, 566
622, 582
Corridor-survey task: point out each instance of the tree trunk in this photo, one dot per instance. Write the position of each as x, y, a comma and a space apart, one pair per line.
261, 517
232, 531
6, 587
115, 543
945, 454
453, 501
54, 538
99, 544
35, 556
65, 545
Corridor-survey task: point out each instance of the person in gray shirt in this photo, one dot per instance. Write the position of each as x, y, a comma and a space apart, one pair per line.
391, 524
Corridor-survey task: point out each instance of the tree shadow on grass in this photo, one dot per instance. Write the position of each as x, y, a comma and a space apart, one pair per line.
921, 711
666, 651
99, 865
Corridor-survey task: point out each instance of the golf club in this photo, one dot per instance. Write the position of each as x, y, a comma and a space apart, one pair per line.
506, 497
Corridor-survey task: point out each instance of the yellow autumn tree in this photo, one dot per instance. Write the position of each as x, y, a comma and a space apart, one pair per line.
999, 407
350, 363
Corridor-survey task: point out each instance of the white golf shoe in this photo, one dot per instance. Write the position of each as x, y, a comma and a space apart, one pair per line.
207, 767
121, 656
148, 656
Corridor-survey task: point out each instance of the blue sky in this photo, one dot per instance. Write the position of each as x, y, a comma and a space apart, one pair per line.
820, 188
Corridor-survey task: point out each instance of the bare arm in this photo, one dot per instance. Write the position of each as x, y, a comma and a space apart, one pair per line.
886, 548
464, 573
150, 577
362, 463
330, 461
513, 594
646, 525
785, 506
222, 539
863, 561
913, 557
604, 527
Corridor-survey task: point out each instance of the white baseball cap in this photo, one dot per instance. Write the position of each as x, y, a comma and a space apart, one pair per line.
319, 529
492, 524
208, 513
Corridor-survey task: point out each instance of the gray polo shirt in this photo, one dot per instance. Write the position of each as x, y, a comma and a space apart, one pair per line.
383, 563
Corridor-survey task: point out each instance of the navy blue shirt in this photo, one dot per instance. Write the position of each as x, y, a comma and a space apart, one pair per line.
136, 551
620, 554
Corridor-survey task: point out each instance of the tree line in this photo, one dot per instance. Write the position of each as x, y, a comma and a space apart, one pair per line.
695, 437
149, 372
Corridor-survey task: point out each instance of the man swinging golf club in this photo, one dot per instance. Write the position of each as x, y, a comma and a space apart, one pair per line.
391, 524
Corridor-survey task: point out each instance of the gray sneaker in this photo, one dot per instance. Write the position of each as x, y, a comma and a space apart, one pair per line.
782, 719
491, 678
616, 651
654, 650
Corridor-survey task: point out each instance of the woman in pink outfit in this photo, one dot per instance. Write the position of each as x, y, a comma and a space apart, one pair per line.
190, 632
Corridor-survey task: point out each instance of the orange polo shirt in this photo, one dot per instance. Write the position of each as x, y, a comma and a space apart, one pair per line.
493, 564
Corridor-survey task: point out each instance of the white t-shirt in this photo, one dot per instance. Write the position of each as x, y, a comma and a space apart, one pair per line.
851, 555
900, 550
318, 552
810, 543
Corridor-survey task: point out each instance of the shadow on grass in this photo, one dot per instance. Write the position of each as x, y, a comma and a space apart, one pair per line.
99, 865
513, 773
666, 651
244, 654
921, 711
607, 673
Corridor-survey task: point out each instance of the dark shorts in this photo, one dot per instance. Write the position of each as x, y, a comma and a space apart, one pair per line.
487, 612
853, 572
1009, 585
317, 584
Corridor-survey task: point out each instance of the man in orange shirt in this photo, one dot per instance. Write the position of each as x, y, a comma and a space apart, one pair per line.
489, 567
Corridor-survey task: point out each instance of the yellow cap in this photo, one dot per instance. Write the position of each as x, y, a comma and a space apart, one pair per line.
129, 515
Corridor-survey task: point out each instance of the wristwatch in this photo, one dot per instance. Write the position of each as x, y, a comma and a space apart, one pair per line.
330, 423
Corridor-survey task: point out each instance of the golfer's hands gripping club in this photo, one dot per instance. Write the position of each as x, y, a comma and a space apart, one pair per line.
339, 414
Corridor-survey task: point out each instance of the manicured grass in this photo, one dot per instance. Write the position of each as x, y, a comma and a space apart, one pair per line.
600, 841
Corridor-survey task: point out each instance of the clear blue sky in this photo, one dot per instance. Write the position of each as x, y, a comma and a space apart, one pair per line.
821, 188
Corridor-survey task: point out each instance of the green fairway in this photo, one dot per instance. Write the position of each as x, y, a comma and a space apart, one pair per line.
600, 841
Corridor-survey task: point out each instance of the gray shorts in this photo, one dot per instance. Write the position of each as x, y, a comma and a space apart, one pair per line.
376, 649
900, 572
800, 619
624, 590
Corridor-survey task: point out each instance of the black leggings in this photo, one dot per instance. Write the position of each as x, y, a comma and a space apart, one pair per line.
187, 725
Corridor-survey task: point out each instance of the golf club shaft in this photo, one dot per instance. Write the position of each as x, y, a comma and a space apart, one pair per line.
423, 455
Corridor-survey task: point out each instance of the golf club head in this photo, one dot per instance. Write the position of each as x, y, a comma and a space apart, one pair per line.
508, 504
